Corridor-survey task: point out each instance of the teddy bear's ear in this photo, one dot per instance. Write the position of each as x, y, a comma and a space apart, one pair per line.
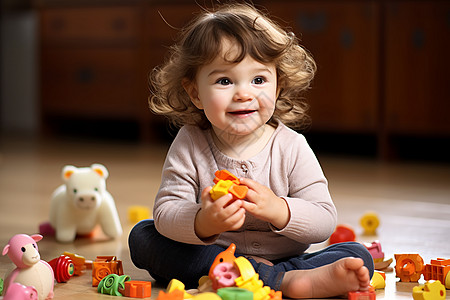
100, 170
67, 172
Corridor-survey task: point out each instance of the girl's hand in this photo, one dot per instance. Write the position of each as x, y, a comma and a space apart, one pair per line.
218, 216
264, 204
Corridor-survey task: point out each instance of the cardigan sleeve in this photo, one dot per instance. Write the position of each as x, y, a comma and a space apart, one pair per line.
176, 203
313, 215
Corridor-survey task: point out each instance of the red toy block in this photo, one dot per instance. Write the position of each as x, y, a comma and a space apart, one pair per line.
137, 289
103, 266
63, 268
408, 267
343, 233
437, 269
225, 175
362, 295
173, 295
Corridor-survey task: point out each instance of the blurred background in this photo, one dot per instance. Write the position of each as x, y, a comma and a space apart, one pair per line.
79, 68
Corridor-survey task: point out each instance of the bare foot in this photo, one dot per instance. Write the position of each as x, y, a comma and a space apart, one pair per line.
336, 279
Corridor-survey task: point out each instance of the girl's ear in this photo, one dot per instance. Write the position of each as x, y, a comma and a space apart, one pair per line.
191, 89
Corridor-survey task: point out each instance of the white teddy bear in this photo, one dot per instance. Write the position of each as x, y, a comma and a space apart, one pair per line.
82, 202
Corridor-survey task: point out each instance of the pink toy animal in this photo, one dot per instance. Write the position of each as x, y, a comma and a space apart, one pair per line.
23, 251
17, 291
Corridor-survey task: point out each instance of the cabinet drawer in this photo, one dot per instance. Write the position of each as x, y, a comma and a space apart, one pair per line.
92, 24
91, 82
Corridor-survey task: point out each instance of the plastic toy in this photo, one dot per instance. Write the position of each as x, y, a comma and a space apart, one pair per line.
112, 284
408, 267
137, 289
370, 222
249, 280
431, 290
342, 233
173, 295
437, 269
362, 295
378, 280
226, 183
225, 275
103, 266
375, 250
63, 268
447, 281
82, 202
79, 263
1, 286
175, 284
17, 291
23, 251
234, 293
224, 256
138, 213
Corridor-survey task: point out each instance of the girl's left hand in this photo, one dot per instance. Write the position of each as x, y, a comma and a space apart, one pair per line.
264, 204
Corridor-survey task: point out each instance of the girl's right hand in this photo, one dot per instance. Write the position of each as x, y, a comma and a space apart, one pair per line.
218, 216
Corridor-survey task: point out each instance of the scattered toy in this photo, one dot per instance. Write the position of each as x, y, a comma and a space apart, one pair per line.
137, 289
138, 213
431, 290
370, 222
30, 270
112, 284
17, 291
82, 202
63, 268
103, 266
342, 233
408, 267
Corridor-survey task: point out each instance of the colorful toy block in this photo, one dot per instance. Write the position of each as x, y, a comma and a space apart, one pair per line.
370, 222
437, 269
112, 284
225, 183
138, 213
431, 290
342, 233
63, 268
137, 289
79, 263
224, 256
409, 267
234, 293
375, 250
207, 296
378, 280
362, 295
103, 266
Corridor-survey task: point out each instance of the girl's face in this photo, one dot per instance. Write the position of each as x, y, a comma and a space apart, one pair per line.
237, 98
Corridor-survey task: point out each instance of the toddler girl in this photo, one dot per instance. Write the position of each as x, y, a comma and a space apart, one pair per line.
234, 83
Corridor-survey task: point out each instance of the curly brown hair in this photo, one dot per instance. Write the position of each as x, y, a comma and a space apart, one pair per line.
254, 34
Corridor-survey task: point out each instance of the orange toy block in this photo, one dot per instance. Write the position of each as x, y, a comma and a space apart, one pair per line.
362, 295
225, 175
409, 267
137, 289
103, 266
173, 295
437, 269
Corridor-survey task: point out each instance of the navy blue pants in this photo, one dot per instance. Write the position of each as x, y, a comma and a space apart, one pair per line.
166, 259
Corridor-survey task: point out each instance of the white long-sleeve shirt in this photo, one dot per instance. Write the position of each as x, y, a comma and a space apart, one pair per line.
287, 165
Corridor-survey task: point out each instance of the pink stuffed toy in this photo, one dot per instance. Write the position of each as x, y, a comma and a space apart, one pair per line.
23, 251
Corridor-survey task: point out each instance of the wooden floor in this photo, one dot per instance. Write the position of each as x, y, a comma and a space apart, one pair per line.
411, 199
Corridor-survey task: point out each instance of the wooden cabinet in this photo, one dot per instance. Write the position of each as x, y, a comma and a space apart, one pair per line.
382, 65
343, 39
417, 64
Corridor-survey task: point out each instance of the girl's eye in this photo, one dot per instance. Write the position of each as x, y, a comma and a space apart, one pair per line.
258, 80
224, 81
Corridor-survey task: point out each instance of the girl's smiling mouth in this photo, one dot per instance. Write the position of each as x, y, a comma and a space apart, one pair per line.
242, 112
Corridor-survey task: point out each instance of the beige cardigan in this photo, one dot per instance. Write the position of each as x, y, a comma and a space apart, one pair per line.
287, 165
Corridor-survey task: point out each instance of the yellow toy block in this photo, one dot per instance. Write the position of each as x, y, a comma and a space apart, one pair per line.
220, 189
432, 290
378, 280
175, 284
245, 268
138, 213
207, 296
370, 222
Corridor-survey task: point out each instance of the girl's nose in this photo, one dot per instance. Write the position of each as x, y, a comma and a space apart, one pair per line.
243, 94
